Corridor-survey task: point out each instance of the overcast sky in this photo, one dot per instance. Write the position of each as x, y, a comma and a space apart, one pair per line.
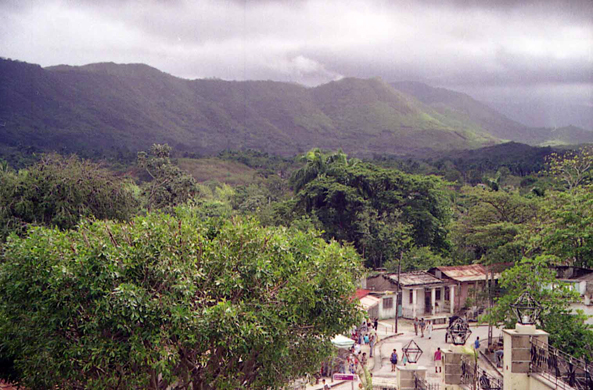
493, 49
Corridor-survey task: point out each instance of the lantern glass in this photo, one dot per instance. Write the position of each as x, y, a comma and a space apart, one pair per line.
412, 352
526, 309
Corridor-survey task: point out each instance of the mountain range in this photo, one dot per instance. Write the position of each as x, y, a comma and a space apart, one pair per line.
107, 106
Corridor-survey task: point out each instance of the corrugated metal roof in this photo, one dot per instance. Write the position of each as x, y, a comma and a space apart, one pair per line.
369, 301
416, 278
466, 273
585, 278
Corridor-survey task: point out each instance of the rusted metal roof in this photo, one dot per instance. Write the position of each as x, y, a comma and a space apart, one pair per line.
415, 278
361, 293
466, 273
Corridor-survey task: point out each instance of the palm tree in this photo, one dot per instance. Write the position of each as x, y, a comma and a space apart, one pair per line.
317, 164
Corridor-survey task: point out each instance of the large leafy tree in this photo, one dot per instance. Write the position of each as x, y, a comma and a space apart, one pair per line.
172, 301
564, 227
379, 210
58, 191
489, 224
573, 168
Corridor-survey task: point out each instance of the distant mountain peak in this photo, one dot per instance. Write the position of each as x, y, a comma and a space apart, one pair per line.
135, 70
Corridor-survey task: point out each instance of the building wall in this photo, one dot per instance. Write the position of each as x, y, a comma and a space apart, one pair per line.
386, 312
466, 290
373, 312
408, 308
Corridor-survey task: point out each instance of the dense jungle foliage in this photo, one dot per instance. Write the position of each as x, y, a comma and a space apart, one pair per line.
97, 255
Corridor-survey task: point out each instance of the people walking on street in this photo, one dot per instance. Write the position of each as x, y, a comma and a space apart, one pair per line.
422, 326
438, 356
372, 344
376, 324
429, 329
477, 343
393, 360
416, 326
325, 385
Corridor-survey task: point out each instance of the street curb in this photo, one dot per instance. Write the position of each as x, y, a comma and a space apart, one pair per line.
379, 356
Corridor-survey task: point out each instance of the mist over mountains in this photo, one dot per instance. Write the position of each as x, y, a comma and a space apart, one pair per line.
108, 106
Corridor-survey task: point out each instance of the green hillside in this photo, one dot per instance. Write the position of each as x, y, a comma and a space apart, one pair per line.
465, 109
108, 107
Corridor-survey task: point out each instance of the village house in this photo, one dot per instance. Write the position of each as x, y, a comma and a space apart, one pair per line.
579, 279
422, 294
467, 281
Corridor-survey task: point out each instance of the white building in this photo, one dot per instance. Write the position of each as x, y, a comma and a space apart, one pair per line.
421, 294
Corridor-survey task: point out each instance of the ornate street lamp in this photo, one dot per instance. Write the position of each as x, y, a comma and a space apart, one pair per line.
526, 309
458, 332
412, 352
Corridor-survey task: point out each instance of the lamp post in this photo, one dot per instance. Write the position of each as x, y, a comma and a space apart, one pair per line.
412, 352
527, 309
458, 332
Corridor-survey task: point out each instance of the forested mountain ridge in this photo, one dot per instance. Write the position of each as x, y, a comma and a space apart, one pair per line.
109, 106
462, 106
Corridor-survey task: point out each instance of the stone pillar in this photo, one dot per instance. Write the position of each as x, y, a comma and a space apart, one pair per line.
452, 298
517, 355
414, 303
433, 300
452, 367
405, 376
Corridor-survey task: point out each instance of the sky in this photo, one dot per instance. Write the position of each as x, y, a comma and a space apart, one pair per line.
506, 50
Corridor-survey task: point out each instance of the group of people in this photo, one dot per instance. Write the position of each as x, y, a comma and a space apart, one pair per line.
438, 358
365, 334
394, 359
423, 326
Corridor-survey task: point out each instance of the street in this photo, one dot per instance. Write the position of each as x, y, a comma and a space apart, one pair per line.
381, 367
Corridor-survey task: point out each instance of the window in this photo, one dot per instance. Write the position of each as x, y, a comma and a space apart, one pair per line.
387, 303
411, 296
438, 294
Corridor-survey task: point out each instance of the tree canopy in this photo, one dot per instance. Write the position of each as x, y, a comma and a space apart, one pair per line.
382, 211
171, 301
59, 191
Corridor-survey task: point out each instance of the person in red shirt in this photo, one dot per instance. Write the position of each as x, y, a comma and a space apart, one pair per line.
438, 356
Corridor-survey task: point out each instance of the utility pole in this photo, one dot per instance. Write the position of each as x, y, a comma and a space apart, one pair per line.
399, 268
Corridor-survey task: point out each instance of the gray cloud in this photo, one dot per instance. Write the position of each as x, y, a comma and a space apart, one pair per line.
521, 44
